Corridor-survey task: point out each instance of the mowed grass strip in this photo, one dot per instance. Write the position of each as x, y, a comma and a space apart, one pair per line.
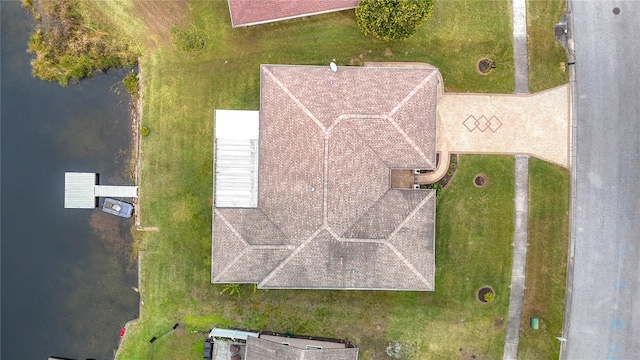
547, 58
546, 260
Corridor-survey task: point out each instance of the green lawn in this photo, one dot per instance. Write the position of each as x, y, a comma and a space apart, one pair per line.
546, 260
181, 91
547, 58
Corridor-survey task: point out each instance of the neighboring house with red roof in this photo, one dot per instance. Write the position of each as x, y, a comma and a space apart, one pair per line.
302, 190
254, 12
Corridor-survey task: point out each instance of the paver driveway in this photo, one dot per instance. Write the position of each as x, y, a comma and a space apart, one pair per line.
535, 124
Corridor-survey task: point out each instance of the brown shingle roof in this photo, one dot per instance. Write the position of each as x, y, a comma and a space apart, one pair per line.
326, 215
260, 349
252, 12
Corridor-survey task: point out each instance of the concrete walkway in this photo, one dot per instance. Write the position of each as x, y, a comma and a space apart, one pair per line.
519, 258
520, 57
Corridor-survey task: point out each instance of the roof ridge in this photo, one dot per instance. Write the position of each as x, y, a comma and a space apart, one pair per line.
400, 105
412, 93
408, 264
230, 264
272, 223
294, 98
412, 213
403, 259
233, 229
365, 141
410, 141
365, 212
240, 254
341, 117
291, 256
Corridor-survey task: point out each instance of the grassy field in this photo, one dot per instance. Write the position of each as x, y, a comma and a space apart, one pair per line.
181, 91
546, 260
547, 58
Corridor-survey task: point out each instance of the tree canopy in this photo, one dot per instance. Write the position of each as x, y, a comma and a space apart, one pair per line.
392, 20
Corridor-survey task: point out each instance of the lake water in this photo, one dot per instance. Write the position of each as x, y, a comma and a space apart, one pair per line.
66, 276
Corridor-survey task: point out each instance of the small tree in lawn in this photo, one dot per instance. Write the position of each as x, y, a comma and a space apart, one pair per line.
392, 20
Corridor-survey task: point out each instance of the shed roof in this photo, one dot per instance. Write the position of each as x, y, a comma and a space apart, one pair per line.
253, 12
326, 215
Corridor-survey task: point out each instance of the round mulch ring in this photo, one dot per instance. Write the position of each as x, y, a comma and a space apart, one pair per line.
485, 66
480, 180
485, 294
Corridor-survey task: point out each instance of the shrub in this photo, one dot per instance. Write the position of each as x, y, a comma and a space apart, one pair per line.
144, 131
488, 297
66, 49
435, 186
231, 289
130, 83
187, 39
392, 20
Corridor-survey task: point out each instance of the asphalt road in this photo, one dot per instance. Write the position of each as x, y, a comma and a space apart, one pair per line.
604, 316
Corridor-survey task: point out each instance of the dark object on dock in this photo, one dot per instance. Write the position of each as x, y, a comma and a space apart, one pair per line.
117, 207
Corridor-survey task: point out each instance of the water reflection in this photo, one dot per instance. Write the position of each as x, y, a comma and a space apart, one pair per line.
66, 274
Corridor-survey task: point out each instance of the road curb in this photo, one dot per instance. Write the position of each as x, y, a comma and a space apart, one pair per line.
571, 59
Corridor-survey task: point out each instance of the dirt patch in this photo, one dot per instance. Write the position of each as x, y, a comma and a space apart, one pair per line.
498, 323
160, 16
357, 61
388, 52
469, 354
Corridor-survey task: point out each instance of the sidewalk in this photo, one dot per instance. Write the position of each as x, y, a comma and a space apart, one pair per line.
516, 297
520, 54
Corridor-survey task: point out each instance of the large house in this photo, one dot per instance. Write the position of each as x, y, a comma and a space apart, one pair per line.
303, 197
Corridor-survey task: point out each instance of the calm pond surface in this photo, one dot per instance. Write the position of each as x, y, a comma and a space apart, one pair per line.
67, 277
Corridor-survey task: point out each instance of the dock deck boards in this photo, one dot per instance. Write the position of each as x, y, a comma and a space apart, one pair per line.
80, 190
